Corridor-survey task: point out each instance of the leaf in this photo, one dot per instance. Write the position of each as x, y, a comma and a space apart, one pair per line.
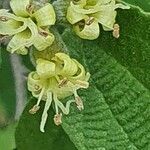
117, 107
145, 5
7, 137
28, 135
127, 97
7, 90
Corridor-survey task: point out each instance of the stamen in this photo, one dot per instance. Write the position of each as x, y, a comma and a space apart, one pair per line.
116, 31
45, 114
82, 84
37, 107
30, 8
3, 18
37, 87
43, 33
90, 21
78, 101
57, 119
59, 104
2, 38
63, 82
34, 109
40, 96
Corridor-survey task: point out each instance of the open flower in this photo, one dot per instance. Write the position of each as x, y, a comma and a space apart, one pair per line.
85, 16
28, 25
55, 80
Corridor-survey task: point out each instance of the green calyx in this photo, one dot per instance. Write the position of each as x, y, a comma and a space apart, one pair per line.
86, 15
54, 80
28, 26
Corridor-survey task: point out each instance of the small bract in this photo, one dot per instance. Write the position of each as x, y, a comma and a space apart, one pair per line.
28, 25
55, 80
86, 15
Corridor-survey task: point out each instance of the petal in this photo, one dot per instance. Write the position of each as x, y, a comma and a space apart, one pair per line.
41, 42
45, 16
81, 3
89, 32
106, 16
40, 38
73, 16
81, 73
12, 24
34, 82
122, 6
99, 2
69, 67
45, 68
19, 7
19, 42
11, 27
84, 10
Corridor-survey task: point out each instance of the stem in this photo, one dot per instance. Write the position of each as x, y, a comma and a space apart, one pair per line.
20, 83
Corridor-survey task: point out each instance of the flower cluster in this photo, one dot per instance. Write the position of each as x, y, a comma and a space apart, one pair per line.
86, 15
29, 25
55, 80
60, 76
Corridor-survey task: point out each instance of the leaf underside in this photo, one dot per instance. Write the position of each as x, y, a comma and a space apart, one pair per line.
117, 104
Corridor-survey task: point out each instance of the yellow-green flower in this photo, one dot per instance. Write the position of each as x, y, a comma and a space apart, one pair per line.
28, 25
86, 15
55, 80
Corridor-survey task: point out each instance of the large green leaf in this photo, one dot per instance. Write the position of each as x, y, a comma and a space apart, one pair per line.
144, 4
117, 105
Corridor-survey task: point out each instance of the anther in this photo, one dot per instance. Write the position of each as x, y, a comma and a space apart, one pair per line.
57, 119
43, 33
90, 21
36, 87
34, 109
116, 30
3, 18
30, 8
79, 103
63, 82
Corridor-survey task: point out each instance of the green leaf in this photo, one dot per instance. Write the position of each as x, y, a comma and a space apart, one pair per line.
145, 5
7, 137
117, 105
127, 97
7, 87
28, 135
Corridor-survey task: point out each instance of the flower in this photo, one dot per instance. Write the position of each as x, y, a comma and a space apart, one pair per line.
28, 25
55, 80
85, 16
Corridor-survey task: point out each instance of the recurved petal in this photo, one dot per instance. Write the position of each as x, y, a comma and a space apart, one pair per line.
45, 16
34, 82
10, 24
73, 16
98, 2
20, 42
43, 40
45, 68
19, 7
89, 32
11, 27
81, 73
69, 67
106, 16
81, 3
